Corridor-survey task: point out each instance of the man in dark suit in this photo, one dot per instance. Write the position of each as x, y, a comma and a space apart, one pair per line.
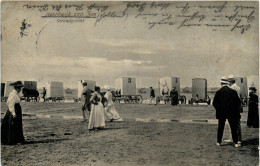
152, 96
226, 103
85, 101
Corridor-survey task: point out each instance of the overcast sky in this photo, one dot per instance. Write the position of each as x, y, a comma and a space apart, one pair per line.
70, 52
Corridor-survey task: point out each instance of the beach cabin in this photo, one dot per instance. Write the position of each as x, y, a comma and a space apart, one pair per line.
199, 87
91, 85
242, 83
54, 89
126, 85
8, 89
167, 83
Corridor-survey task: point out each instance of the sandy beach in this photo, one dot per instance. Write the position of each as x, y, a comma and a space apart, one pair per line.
148, 135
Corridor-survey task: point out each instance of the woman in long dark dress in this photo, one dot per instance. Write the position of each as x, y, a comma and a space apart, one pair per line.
253, 115
12, 127
174, 96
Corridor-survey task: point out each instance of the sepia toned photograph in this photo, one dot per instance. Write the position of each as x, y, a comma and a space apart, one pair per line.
129, 83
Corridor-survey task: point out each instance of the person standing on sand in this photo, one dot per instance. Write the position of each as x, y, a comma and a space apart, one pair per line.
12, 126
110, 111
226, 103
253, 112
43, 94
174, 96
97, 114
152, 96
85, 101
235, 87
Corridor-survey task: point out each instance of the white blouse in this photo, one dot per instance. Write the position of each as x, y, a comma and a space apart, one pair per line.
109, 98
12, 100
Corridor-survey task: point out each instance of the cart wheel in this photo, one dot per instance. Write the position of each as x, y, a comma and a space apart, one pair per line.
183, 99
139, 99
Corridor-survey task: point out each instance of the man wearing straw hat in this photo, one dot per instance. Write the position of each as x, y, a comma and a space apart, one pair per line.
226, 102
235, 87
85, 101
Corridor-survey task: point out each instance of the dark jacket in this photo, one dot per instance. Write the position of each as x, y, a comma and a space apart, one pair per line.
152, 93
226, 102
85, 96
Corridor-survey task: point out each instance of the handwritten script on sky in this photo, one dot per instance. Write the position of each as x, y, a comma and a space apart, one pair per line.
217, 15
66, 41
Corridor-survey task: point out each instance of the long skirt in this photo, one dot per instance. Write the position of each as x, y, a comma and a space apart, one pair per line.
111, 113
12, 128
174, 100
97, 117
253, 115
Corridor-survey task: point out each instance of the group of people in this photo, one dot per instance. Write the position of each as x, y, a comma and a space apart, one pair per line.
97, 108
174, 96
227, 102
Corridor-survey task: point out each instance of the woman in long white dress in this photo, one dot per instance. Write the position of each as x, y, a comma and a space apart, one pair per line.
97, 117
110, 111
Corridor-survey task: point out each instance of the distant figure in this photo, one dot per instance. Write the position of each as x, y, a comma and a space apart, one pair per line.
85, 101
97, 116
197, 99
12, 126
174, 96
43, 94
253, 114
110, 110
208, 100
226, 103
152, 96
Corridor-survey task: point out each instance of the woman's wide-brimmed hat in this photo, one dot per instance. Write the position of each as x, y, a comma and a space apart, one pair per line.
17, 84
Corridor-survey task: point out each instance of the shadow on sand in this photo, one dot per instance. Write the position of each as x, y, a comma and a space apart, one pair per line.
44, 141
249, 142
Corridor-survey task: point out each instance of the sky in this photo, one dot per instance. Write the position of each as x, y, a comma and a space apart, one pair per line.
69, 52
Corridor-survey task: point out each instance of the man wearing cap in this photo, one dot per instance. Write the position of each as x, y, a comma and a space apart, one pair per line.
226, 102
85, 101
12, 127
235, 87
